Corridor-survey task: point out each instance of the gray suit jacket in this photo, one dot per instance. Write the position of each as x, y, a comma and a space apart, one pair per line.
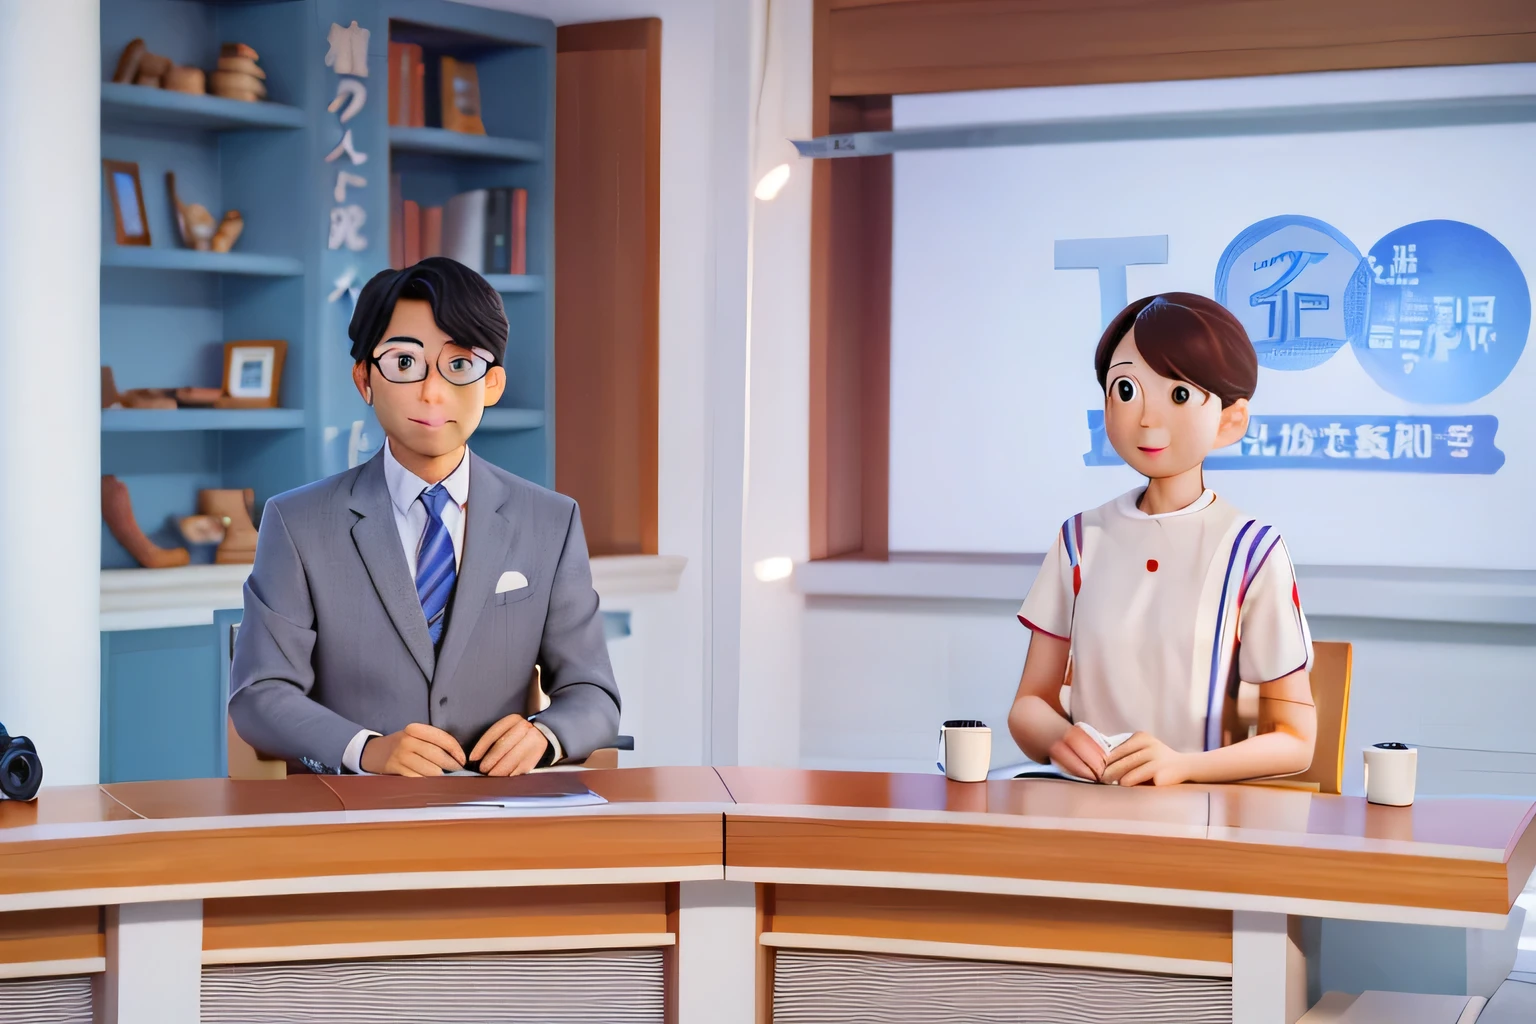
334, 639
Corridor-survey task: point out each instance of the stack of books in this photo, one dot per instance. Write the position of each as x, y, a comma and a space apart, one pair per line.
484, 229
407, 86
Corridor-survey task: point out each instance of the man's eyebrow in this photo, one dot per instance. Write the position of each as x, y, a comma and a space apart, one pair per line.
411, 341
1123, 362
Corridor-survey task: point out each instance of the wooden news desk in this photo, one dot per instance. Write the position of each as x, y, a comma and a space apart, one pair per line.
725, 896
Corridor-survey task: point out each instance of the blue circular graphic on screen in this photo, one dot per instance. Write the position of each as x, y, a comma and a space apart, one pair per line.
1299, 286
1449, 313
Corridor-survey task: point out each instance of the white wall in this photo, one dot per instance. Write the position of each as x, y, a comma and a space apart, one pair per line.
664, 670
775, 522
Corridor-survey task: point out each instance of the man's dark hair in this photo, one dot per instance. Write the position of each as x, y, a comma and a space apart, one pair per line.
1186, 337
464, 305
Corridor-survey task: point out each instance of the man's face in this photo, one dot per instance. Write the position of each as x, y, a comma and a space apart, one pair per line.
1159, 426
430, 417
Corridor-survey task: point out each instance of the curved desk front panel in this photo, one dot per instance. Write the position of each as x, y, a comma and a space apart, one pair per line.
729, 896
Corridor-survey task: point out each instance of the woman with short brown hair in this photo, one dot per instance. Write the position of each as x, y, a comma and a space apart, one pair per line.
1163, 599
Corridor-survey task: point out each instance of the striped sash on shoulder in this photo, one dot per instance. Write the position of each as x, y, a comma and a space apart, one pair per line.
1251, 548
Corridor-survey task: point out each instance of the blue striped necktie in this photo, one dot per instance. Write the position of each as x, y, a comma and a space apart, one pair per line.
435, 571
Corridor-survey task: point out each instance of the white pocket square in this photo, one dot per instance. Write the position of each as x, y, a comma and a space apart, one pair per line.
511, 580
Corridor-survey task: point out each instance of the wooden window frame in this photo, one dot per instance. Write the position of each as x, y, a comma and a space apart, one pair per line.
866, 51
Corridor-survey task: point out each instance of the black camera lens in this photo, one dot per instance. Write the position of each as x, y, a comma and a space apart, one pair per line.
21, 771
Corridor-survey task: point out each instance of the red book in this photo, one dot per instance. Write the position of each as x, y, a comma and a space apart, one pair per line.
431, 231
519, 239
396, 224
399, 68
412, 221
418, 83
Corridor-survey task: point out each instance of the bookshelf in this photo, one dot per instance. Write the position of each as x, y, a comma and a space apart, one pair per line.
166, 311
440, 142
157, 258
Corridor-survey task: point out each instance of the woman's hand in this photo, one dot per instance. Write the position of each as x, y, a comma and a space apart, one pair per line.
1079, 753
1145, 758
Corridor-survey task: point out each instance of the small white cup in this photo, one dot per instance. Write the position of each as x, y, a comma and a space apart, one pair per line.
1391, 769
965, 750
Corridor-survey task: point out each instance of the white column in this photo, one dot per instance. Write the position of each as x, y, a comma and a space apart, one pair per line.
1269, 971
717, 953
50, 420
154, 964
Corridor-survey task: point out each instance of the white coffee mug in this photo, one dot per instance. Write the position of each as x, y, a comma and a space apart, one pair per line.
965, 750
1391, 769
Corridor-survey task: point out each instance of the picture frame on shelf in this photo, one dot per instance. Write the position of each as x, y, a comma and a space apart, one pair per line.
253, 374
129, 220
461, 97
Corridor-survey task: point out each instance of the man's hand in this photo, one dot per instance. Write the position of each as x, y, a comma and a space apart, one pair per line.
418, 749
512, 746
1145, 758
1079, 753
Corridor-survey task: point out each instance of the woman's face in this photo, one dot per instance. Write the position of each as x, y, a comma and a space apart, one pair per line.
1160, 426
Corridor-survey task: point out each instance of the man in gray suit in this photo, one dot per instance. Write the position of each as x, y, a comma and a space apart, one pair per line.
396, 611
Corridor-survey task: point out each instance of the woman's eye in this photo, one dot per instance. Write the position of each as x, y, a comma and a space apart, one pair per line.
1125, 388
1180, 394
458, 364
405, 362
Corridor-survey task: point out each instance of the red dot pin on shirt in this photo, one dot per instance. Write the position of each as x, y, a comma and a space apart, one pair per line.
1151, 565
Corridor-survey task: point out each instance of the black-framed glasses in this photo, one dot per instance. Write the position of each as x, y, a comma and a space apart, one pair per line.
406, 363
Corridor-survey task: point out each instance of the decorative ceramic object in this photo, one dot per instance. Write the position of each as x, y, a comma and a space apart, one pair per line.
193, 221
149, 398
238, 76
117, 510
110, 399
197, 398
187, 80
128, 62
229, 231
235, 510
202, 529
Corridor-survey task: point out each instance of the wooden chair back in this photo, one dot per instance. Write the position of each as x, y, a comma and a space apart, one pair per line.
1332, 663
246, 762
538, 700
1331, 667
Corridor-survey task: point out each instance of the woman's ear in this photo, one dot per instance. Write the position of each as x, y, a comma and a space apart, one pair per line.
1233, 424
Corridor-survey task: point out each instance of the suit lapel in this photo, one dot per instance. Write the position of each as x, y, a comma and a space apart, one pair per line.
378, 543
490, 527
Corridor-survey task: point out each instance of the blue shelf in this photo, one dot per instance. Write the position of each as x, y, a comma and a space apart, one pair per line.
152, 258
141, 104
115, 420
508, 284
461, 144
497, 418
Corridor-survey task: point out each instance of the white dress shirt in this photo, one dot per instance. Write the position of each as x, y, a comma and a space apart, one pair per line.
405, 489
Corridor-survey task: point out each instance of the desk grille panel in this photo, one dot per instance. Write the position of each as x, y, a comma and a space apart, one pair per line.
46, 1000
619, 986
870, 988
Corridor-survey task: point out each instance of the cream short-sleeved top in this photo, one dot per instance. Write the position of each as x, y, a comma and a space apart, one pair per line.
1162, 610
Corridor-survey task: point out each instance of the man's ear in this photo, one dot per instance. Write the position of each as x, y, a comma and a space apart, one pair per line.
495, 384
360, 378
1234, 423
